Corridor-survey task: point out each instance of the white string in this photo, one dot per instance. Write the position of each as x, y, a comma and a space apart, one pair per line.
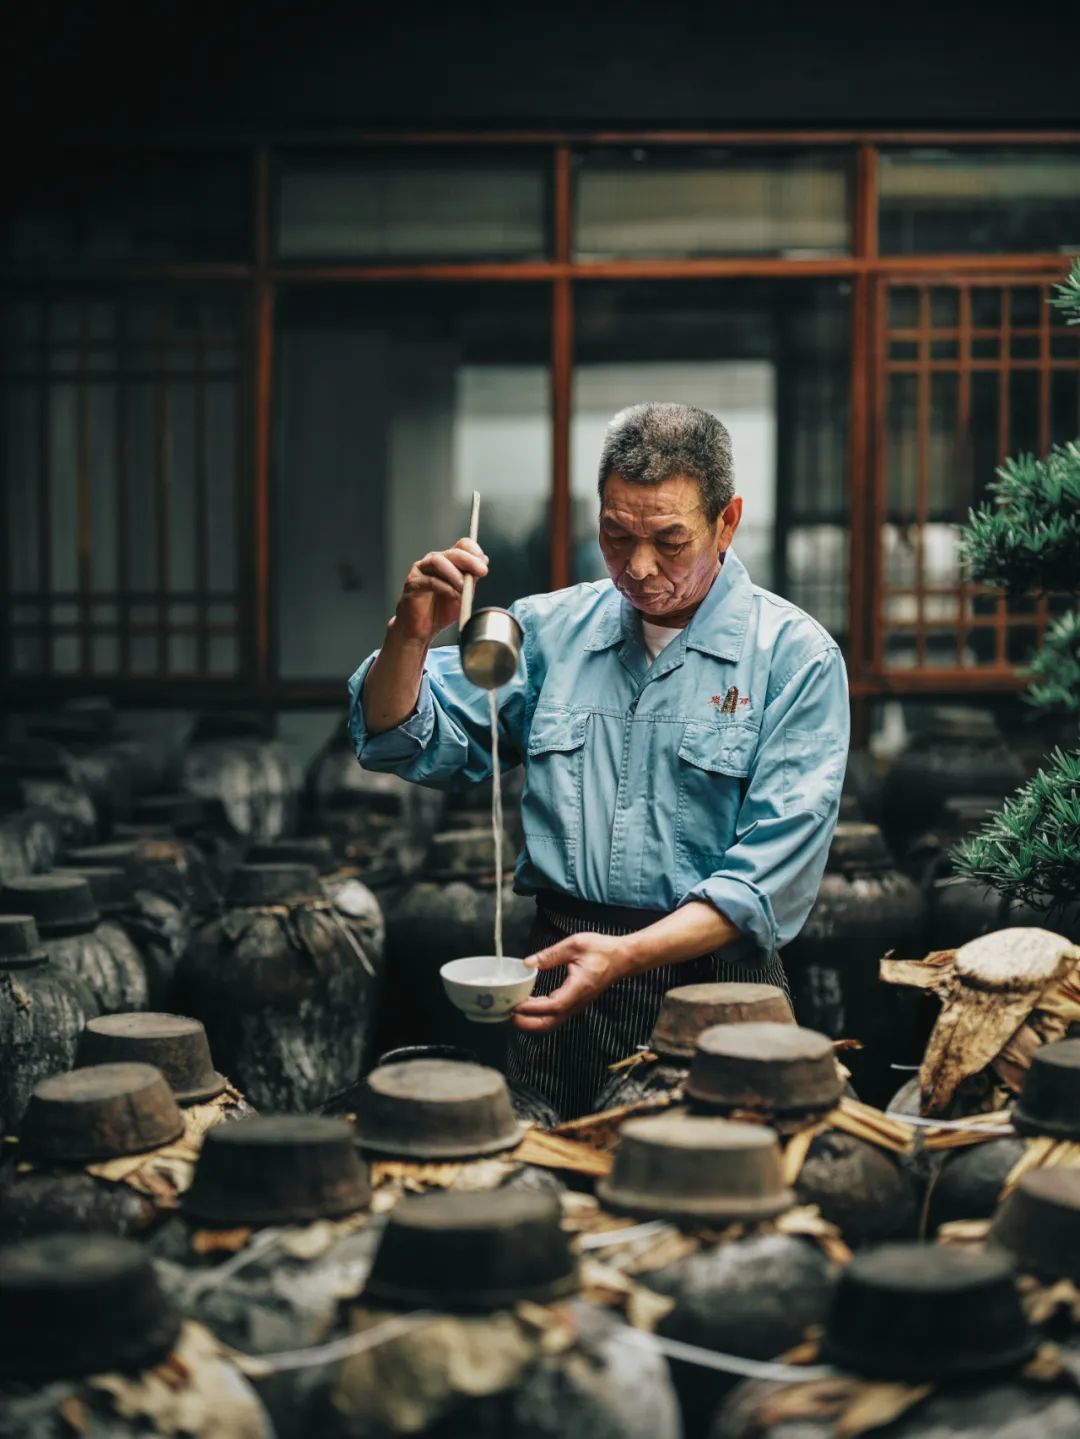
201, 1280
497, 826
624, 1236
972, 1127
725, 1363
257, 1365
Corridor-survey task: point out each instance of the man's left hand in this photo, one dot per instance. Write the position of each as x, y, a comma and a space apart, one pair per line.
593, 962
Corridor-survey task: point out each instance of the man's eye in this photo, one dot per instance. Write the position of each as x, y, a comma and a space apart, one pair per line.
672, 547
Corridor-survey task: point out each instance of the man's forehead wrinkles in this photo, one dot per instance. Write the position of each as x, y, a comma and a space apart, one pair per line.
655, 523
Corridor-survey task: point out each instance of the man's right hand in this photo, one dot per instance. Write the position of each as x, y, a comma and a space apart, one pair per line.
431, 596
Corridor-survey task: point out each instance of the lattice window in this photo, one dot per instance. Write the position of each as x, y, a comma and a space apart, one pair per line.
969, 371
123, 462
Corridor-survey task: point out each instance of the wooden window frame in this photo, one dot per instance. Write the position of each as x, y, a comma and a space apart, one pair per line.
262, 278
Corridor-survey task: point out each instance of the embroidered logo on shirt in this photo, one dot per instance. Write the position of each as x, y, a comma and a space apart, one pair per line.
728, 703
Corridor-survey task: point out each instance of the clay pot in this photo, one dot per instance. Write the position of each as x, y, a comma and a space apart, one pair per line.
100, 1113
1039, 1224
714, 1171
277, 1169
172, 1043
72, 1306
42, 1013
286, 995
69, 923
776, 1070
1049, 1100
865, 907
919, 1312
436, 1109
685, 1013
463, 1252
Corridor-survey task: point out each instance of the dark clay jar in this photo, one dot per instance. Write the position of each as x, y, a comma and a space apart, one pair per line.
73, 1307
754, 1297
172, 891
954, 753
46, 785
287, 1002
864, 908
448, 912
42, 1013
254, 779
77, 941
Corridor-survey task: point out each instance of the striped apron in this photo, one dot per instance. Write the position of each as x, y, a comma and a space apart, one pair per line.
569, 1064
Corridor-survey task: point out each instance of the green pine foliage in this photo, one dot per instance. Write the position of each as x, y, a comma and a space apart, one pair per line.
1068, 296
1028, 539
1055, 670
1031, 850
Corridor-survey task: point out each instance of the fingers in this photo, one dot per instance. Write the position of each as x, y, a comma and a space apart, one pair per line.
438, 566
546, 1011
552, 958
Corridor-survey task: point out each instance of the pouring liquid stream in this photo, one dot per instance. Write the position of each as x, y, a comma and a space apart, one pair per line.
497, 830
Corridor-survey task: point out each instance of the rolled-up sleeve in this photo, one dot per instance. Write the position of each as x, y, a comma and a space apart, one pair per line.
448, 735
771, 874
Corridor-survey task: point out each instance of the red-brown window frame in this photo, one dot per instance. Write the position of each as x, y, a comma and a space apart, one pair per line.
263, 277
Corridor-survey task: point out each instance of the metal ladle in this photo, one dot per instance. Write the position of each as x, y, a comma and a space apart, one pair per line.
489, 640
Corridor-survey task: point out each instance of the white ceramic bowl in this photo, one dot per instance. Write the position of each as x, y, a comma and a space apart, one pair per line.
472, 987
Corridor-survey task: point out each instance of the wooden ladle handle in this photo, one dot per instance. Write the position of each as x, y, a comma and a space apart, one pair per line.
468, 590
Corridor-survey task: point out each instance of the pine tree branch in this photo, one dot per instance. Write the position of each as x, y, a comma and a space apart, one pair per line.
1030, 851
1068, 295
1029, 539
1055, 670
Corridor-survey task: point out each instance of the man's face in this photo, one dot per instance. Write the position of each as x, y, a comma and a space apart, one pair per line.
660, 549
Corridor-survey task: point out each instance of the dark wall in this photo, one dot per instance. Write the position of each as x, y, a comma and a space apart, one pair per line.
281, 66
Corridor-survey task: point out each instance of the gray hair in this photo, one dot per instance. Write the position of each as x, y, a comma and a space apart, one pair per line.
647, 444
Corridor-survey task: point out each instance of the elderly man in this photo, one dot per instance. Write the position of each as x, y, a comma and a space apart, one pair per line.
684, 735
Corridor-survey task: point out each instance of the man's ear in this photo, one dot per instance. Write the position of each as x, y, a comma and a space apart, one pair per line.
728, 522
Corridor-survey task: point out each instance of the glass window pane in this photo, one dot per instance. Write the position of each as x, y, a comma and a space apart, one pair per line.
711, 202
394, 406
955, 201
770, 359
412, 207
145, 206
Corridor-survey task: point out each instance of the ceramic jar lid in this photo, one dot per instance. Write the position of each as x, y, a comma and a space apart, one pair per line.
1039, 1224
690, 1009
100, 1113
771, 1070
858, 847
463, 854
1049, 1100
112, 889
262, 884
436, 1109
81, 1304
20, 943
62, 904
174, 1044
479, 1251
315, 850
114, 855
924, 1312
178, 812
277, 1169
695, 1167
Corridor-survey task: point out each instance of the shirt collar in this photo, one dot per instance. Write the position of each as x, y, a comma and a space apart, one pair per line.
717, 627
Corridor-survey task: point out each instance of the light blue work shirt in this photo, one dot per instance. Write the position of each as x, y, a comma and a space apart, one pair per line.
713, 773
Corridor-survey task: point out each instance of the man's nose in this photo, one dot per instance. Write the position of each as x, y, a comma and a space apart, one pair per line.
642, 562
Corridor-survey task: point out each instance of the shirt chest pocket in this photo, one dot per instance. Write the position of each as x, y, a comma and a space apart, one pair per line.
553, 775
714, 769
